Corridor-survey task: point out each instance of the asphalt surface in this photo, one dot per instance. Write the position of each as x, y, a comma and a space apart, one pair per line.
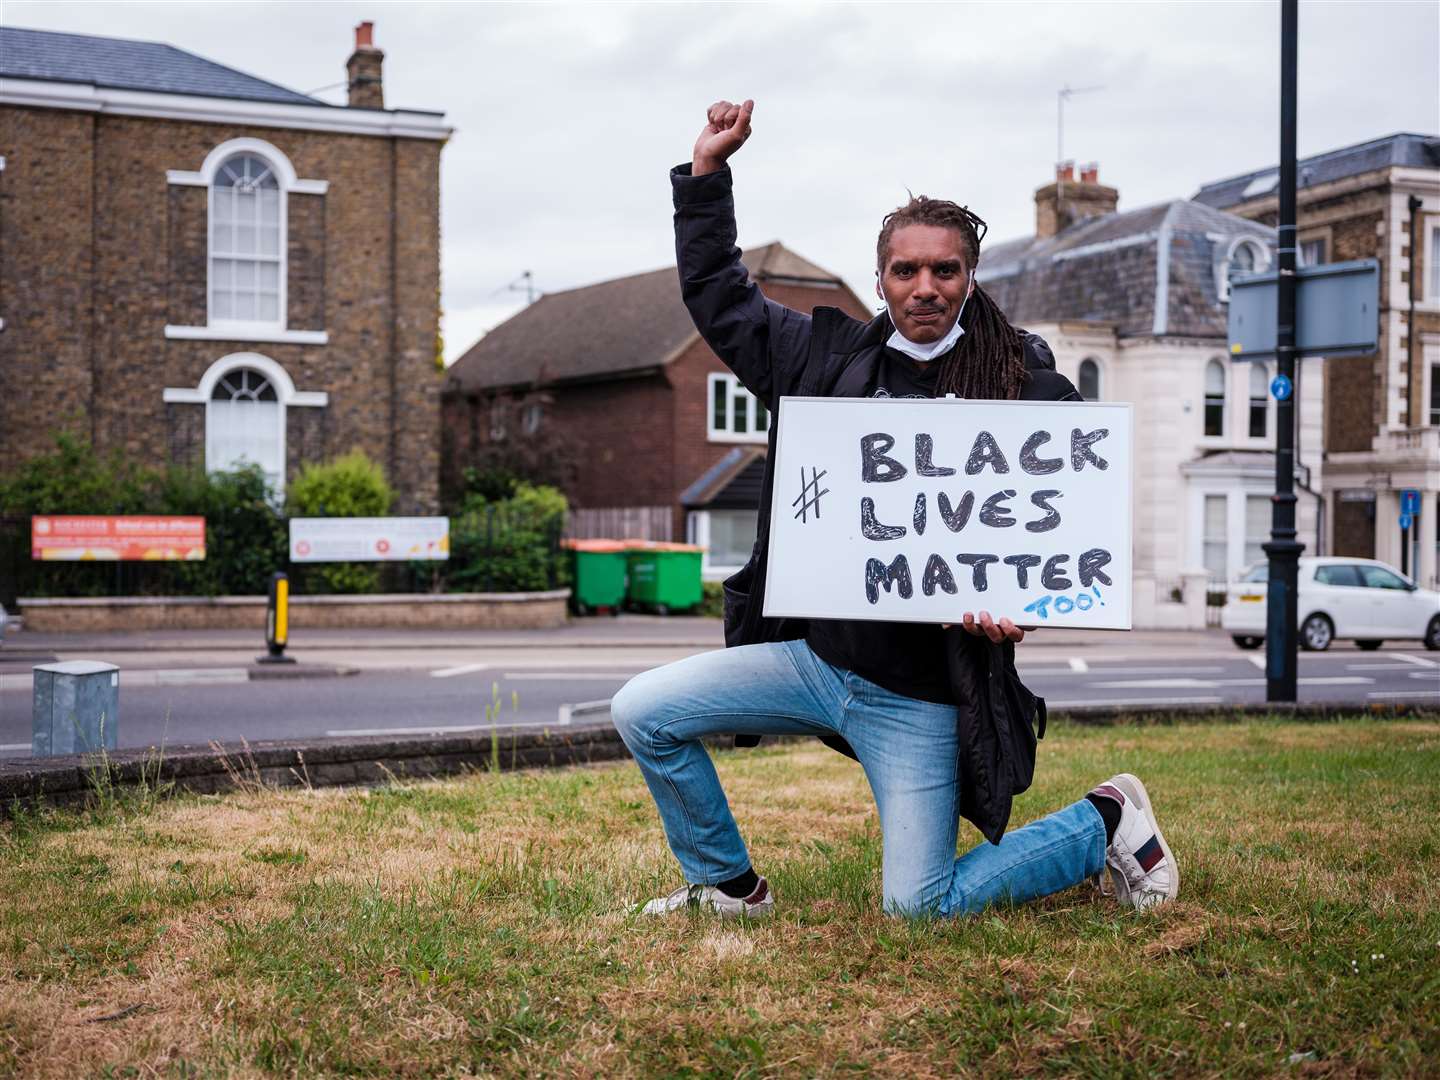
186, 689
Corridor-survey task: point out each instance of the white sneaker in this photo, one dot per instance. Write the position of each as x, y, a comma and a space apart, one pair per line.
757, 905
1138, 861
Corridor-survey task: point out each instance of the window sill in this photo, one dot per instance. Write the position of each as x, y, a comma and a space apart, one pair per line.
758, 439
235, 333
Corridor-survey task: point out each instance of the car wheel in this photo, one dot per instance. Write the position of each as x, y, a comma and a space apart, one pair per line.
1316, 633
1247, 641
1432, 634
1369, 644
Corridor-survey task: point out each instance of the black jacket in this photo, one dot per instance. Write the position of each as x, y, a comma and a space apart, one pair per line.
777, 352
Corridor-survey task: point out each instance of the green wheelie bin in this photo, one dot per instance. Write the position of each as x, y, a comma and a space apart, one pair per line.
663, 577
599, 575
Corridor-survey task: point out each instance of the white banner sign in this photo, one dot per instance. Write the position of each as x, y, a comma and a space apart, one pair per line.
918, 510
379, 539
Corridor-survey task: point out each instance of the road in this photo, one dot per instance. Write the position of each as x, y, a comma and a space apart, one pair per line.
191, 691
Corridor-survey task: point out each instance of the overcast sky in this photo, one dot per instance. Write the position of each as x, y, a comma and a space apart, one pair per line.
568, 117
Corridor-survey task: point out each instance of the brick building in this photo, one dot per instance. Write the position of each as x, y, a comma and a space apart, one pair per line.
1381, 200
200, 266
671, 446
1135, 305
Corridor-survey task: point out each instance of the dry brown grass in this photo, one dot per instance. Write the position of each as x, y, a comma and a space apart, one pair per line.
479, 926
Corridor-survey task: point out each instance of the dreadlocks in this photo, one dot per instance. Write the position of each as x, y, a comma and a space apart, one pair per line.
988, 362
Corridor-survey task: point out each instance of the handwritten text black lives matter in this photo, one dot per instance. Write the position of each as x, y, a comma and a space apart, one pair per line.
977, 511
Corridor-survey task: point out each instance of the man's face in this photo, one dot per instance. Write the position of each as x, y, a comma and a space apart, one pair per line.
924, 280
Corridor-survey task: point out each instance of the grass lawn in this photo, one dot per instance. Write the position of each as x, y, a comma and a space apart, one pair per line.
480, 926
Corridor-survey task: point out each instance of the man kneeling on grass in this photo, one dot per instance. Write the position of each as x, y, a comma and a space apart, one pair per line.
893, 695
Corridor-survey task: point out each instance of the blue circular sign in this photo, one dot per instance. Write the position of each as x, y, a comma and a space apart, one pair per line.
1406, 521
1281, 386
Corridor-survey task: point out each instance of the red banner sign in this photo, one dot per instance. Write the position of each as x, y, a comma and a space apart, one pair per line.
133, 537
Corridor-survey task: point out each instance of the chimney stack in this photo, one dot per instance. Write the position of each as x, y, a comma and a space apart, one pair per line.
1066, 201
367, 88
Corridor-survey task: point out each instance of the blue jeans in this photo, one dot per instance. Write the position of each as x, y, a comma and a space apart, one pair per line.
907, 748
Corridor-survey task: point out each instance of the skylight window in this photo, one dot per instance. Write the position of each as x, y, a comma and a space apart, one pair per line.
1262, 184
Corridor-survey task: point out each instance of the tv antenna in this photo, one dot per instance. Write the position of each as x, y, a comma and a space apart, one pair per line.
1064, 94
524, 283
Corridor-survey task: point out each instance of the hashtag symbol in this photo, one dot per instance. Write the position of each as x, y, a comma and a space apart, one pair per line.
809, 497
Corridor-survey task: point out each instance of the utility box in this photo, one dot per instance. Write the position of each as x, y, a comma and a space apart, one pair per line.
77, 708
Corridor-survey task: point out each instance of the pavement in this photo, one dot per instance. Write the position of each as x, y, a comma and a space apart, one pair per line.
191, 687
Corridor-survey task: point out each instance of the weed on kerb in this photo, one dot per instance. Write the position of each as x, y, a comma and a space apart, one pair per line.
482, 926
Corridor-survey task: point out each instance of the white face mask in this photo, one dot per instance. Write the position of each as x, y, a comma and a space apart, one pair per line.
925, 353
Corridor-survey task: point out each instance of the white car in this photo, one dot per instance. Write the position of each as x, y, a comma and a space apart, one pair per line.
1357, 599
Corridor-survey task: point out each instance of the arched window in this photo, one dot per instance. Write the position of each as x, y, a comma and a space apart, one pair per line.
1089, 380
1245, 255
245, 425
246, 248
1214, 398
1259, 400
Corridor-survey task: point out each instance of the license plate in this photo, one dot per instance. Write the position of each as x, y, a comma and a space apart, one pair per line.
1250, 598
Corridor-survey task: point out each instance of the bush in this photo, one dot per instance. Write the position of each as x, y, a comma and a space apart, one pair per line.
349, 486
244, 536
245, 539
712, 600
72, 479
508, 545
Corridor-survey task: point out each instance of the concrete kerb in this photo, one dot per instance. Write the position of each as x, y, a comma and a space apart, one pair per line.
71, 781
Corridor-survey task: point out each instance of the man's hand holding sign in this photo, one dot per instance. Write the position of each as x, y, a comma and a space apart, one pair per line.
924, 465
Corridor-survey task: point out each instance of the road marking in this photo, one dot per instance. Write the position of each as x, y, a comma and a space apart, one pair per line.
1423, 675
1136, 701
584, 676
1403, 693
131, 677
1076, 664
1105, 672
1196, 684
5, 748
1258, 661
451, 672
1420, 660
185, 677
567, 713
1382, 667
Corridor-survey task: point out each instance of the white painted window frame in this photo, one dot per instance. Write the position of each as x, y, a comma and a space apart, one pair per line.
1264, 370
1225, 419
1262, 262
733, 387
697, 532
1432, 253
277, 332
285, 393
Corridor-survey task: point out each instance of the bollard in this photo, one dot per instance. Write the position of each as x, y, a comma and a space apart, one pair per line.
76, 708
277, 622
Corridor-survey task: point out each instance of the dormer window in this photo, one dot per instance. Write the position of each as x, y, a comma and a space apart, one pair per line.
247, 276
1246, 255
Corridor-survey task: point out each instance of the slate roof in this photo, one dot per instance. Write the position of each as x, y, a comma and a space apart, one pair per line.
1111, 270
131, 65
735, 482
1404, 148
625, 324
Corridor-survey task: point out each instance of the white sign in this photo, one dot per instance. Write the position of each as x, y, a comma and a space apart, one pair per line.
377, 539
918, 510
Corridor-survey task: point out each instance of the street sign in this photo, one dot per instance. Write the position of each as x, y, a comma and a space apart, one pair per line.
1406, 521
1337, 308
1281, 386
1410, 501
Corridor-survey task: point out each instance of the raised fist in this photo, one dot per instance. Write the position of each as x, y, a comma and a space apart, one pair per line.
727, 126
